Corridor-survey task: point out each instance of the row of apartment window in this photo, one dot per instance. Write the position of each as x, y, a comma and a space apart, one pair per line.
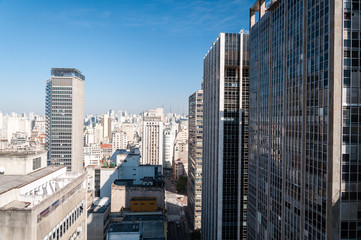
61, 92
62, 107
59, 230
55, 96
61, 111
61, 88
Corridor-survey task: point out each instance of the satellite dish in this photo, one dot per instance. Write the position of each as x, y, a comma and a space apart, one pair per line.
2, 170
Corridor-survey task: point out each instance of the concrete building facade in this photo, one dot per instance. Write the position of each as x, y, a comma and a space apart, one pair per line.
168, 146
65, 118
46, 203
225, 137
153, 137
304, 120
119, 140
98, 219
195, 141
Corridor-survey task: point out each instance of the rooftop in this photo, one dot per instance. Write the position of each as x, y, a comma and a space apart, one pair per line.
153, 224
124, 227
99, 205
66, 72
29, 190
8, 182
12, 153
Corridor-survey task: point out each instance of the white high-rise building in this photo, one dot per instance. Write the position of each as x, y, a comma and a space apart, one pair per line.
99, 134
153, 137
168, 146
65, 118
119, 140
106, 123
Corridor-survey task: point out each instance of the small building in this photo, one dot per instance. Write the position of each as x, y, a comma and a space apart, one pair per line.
123, 191
98, 219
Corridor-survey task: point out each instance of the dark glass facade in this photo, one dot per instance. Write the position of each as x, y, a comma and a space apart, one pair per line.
225, 139
304, 111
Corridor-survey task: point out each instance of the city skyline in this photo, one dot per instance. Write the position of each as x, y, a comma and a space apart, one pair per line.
125, 48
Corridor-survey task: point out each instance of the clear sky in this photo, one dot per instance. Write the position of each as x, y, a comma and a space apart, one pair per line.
135, 55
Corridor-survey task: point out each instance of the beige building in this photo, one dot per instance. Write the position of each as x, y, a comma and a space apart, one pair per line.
124, 190
44, 203
65, 118
153, 137
129, 129
106, 123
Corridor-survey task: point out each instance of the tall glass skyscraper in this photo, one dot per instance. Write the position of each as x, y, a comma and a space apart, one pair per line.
305, 105
225, 138
65, 118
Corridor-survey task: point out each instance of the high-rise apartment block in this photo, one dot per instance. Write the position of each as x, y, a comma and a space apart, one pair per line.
225, 136
153, 137
65, 118
304, 144
195, 139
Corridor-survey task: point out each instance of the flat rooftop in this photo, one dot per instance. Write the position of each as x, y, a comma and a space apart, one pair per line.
153, 224
25, 197
8, 182
6, 153
67, 72
124, 227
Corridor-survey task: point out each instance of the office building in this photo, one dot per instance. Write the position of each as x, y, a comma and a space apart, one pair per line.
65, 117
195, 139
304, 120
153, 137
39, 201
225, 130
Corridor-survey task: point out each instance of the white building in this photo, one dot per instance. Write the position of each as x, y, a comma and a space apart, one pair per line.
39, 202
168, 147
106, 122
65, 113
119, 140
153, 137
98, 133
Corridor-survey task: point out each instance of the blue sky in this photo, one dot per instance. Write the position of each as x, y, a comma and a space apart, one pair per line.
135, 55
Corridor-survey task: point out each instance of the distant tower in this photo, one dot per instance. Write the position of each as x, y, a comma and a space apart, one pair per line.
195, 140
65, 116
153, 137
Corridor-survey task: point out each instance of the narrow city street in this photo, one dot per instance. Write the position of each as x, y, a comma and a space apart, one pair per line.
177, 223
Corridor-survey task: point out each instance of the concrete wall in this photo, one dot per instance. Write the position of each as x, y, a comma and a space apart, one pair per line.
107, 177
121, 195
46, 225
21, 164
77, 125
96, 227
17, 225
22, 223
